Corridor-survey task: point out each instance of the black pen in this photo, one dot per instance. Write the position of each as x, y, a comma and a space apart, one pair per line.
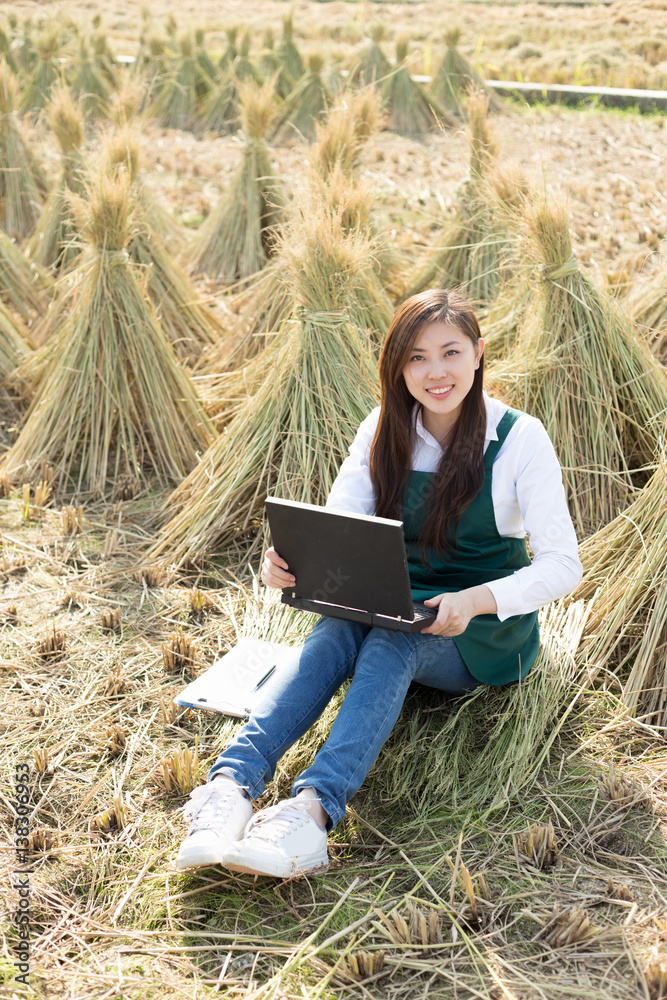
264, 678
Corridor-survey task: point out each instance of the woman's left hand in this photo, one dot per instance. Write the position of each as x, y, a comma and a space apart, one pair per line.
456, 609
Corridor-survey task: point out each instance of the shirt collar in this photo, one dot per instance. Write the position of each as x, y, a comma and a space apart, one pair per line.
490, 434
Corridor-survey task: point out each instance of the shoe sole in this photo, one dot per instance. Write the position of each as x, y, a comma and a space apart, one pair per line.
277, 871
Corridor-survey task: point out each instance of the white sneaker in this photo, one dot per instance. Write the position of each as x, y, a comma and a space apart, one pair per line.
219, 811
283, 840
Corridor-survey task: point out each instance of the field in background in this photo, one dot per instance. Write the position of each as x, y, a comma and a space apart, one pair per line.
462, 907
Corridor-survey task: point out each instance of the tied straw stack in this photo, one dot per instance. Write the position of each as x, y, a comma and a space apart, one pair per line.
24, 285
372, 66
265, 302
579, 367
22, 182
310, 388
53, 242
473, 250
236, 239
185, 319
411, 110
456, 78
625, 578
113, 401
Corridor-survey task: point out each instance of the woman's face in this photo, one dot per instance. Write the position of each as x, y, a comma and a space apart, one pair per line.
440, 373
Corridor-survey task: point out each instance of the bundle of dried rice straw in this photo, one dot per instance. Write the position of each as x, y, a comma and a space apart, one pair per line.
48, 47
184, 317
24, 286
305, 105
178, 101
410, 109
288, 52
22, 181
625, 577
455, 78
90, 85
309, 390
114, 401
267, 302
237, 238
472, 250
579, 366
648, 307
371, 66
53, 242
341, 136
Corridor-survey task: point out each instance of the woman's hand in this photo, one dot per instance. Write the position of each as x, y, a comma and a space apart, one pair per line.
275, 571
456, 609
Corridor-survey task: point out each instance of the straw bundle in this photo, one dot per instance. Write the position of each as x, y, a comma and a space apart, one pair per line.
27, 53
314, 383
410, 109
6, 51
267, 302
22, 182
105, 62
471, 250
236, 239
228, 57
24, 286
648, 307
220, 109
126, 101
205, 62
579, 367
14, 347
178, 102
456, 78
48, 47
260, 307
152, 66
288, 53
344, 132
625, 575
114, 401
53, 242
470, 756
243, 67
187, 322
307, 102
272, 66
372, 65
90, 85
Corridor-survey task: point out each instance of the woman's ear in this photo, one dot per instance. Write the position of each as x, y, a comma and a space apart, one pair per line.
479, 351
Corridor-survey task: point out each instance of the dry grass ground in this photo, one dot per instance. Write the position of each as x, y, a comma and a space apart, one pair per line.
505, 916
455, 901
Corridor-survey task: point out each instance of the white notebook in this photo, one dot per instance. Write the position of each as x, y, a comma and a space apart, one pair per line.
229, 686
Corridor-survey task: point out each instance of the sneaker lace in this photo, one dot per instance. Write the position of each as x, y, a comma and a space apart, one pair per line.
276, 822
209, 805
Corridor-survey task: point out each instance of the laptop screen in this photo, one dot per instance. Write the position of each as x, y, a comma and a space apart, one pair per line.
352, 560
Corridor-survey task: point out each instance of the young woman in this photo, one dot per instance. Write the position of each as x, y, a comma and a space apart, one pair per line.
469, 477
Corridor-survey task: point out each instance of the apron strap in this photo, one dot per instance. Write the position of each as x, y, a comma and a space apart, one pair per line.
505, 425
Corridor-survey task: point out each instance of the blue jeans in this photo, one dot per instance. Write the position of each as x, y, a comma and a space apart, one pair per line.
382, 665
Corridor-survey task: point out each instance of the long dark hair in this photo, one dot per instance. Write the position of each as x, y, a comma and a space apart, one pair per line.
460, 473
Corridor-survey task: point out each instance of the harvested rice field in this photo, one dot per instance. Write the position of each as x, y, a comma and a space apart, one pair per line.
175, 291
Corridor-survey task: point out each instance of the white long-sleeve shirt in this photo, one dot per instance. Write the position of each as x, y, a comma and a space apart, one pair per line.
528, 499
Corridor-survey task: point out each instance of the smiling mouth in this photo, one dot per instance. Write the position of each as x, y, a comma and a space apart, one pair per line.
440, 390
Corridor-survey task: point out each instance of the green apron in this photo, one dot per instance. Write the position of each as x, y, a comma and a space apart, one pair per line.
494, 652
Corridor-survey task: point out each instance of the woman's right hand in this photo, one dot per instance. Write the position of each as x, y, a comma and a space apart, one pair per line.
275, 571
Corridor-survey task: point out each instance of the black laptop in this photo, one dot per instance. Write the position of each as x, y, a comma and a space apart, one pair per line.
350, 566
